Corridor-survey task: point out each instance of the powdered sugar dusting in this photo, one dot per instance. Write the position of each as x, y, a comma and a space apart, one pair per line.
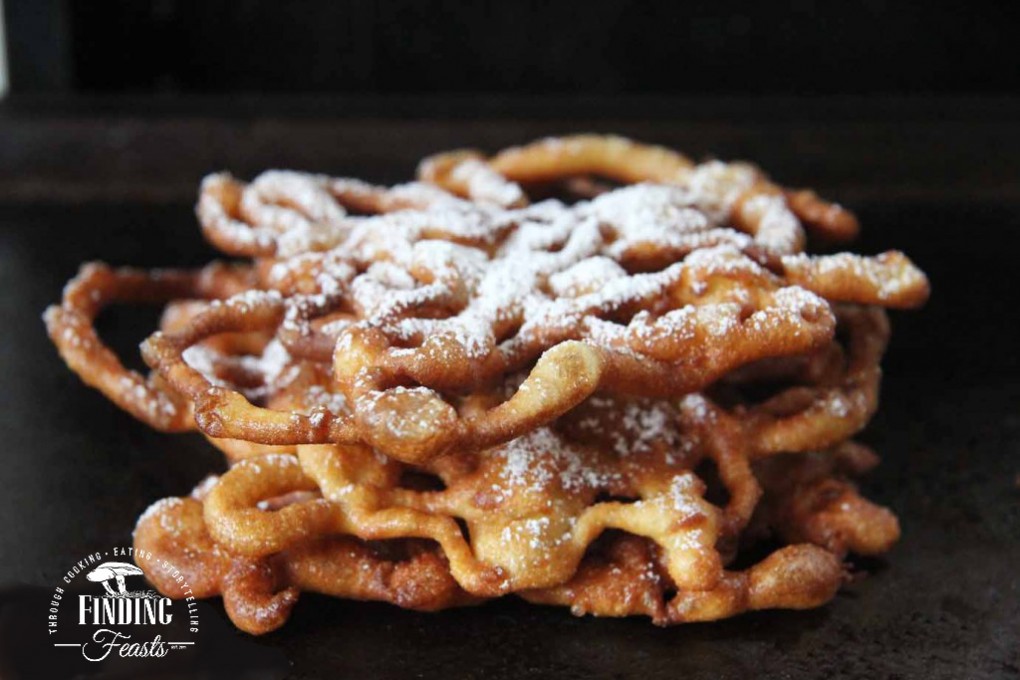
541, 458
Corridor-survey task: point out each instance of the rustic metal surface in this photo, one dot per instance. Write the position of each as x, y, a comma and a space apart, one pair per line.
945, 602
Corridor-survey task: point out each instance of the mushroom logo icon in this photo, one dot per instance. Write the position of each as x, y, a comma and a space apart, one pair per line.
108, 571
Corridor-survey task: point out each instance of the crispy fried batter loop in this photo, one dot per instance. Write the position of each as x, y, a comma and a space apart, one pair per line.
444, 392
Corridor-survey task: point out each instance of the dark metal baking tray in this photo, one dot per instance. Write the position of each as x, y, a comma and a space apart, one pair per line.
945, 602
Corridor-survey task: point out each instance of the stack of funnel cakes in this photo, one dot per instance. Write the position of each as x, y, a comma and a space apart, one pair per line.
449, 391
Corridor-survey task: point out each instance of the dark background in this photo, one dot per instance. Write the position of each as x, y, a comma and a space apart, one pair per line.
599, 47
906, 112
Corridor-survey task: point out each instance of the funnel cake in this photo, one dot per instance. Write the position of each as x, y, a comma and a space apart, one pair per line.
445, 392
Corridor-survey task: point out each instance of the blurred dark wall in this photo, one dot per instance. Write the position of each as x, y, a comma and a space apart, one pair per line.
594, 47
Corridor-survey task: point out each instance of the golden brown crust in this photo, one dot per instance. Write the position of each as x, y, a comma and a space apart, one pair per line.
440, 393
97, 286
